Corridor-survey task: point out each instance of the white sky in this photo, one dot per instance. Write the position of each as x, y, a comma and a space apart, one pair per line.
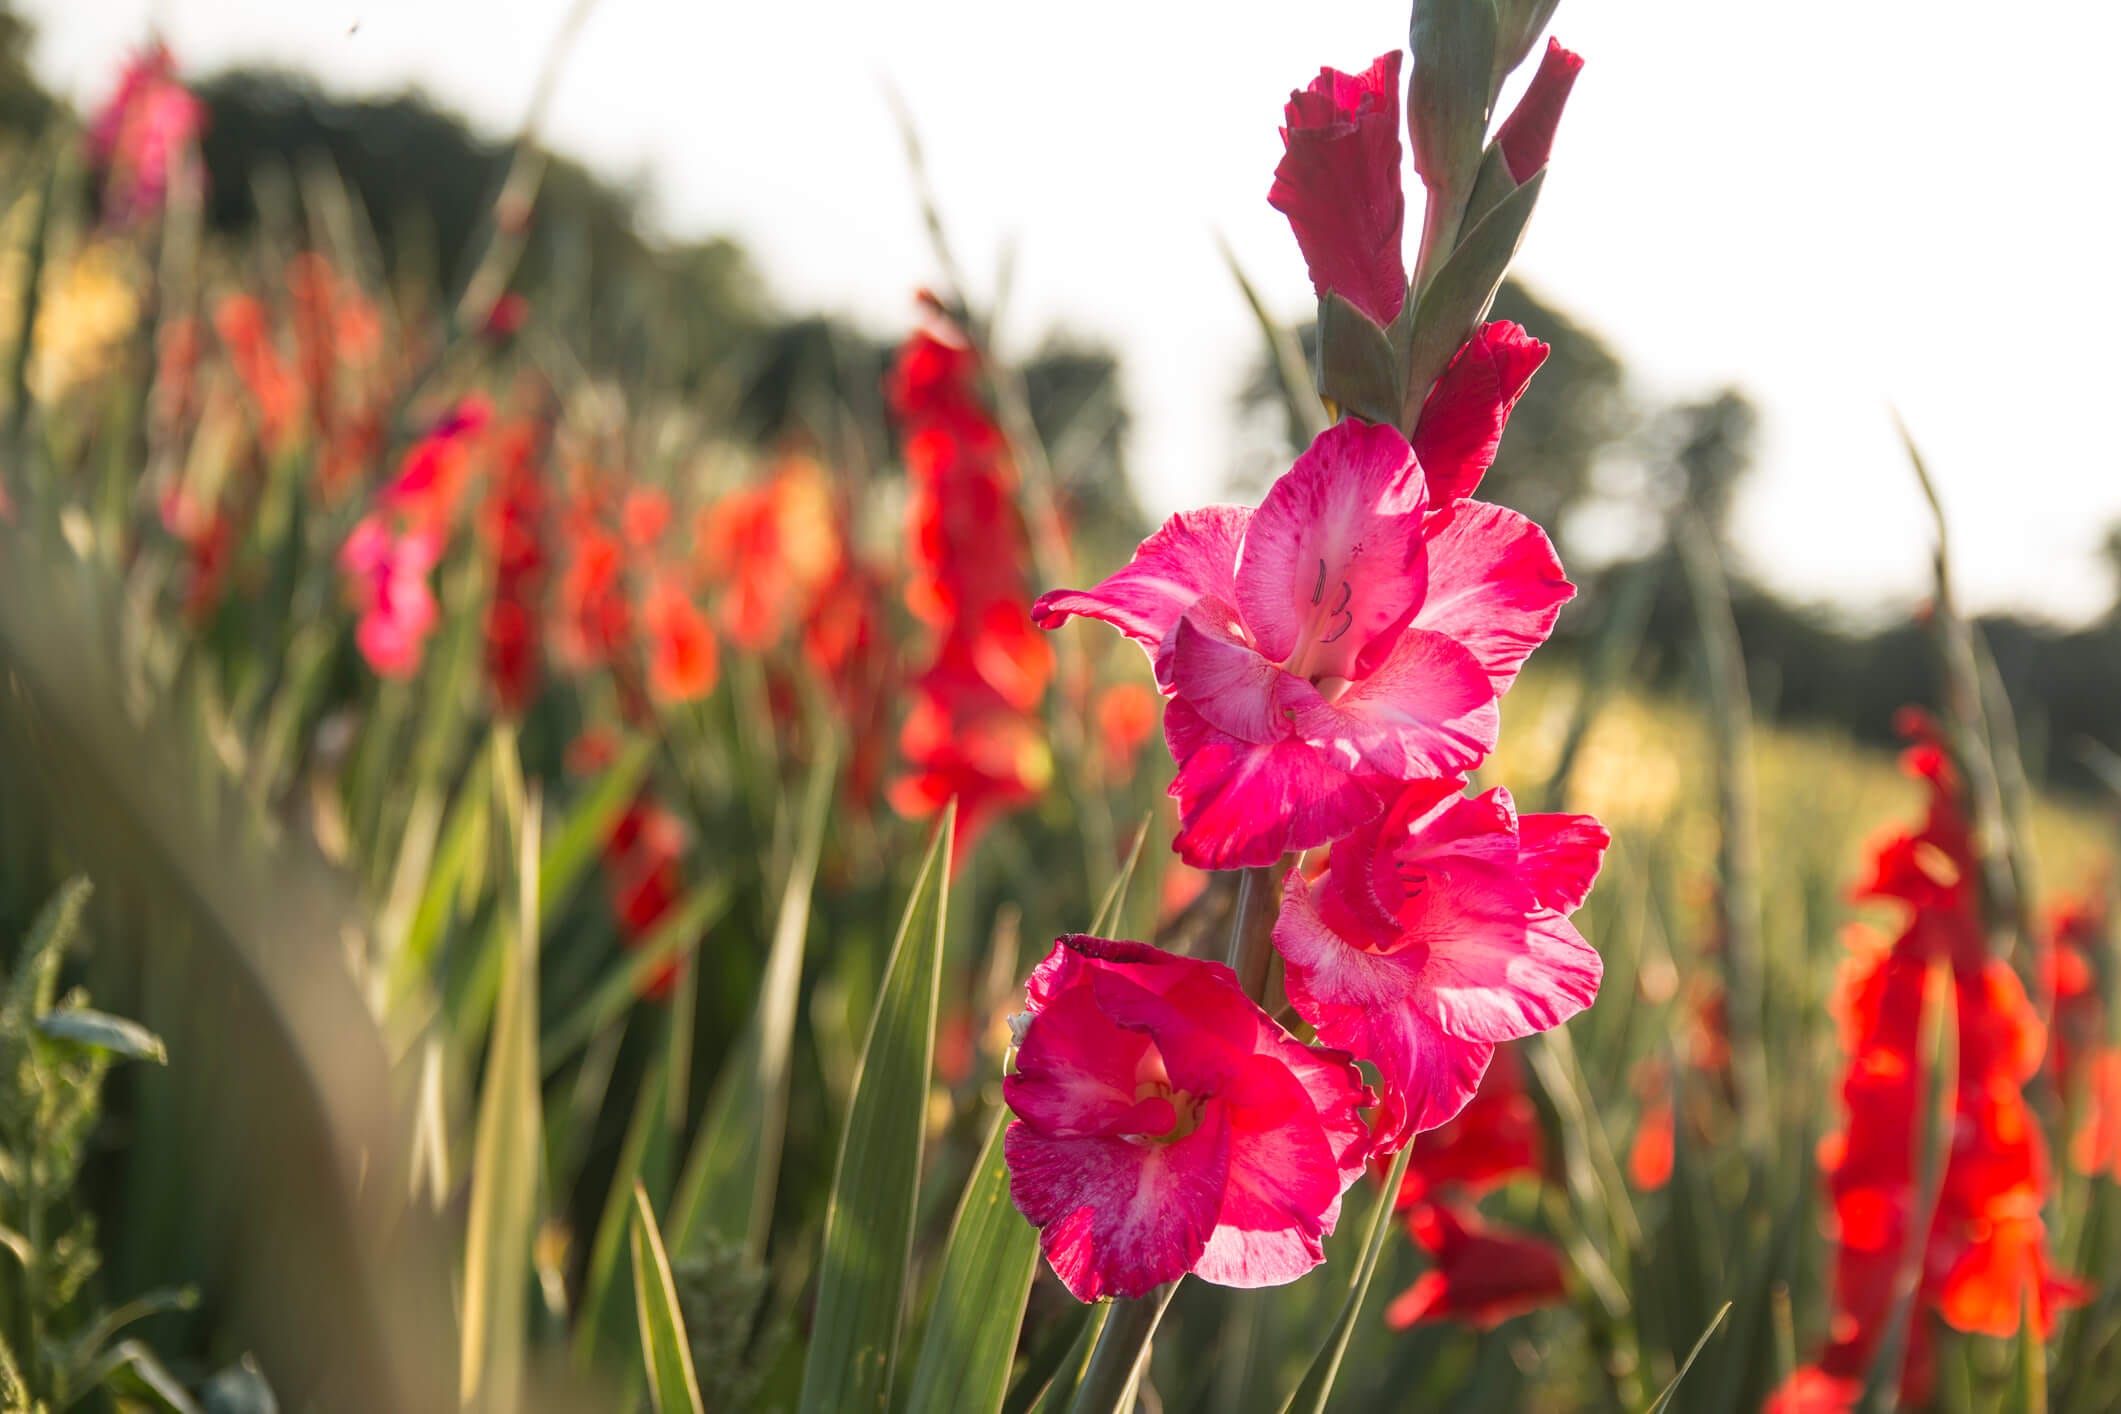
1837, 204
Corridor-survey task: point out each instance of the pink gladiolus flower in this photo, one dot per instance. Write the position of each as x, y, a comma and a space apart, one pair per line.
1437, 933
387, 583
1527, 135
1338, 182
1464, 415
143, 133
1166, 1125
1351, 633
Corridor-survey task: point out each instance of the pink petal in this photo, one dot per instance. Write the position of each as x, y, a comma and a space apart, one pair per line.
1559, 857
1191, 557
1075, 1075
1495, 585
1489, 982
1333, 557
1282, 1180
1339, 183
1117, 1218
1463, 417
1224, 678
1246, 803
1427, 710
1372, 1005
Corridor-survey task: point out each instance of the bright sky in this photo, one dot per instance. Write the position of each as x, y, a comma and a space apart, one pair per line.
1839, 206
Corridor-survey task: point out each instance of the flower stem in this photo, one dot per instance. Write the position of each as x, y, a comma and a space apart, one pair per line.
1251, 931
1122, 1354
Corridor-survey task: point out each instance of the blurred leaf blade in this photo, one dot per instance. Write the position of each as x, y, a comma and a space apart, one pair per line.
672, 1383
980, 1293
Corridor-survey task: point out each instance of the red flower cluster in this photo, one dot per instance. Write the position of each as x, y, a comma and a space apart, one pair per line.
516, 535
141, 139
973, 732
1482, 1274
644, 859
773, 547
1982, 1258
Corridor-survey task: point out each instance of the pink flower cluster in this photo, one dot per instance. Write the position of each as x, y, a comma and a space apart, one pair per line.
1334, 662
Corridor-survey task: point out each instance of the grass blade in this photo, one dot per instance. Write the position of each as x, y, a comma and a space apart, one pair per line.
1664, 1400
727, 1185
672, 1385
980, 1294
505, 1162
675, 936
1317, 1383
876, 1183
576, 842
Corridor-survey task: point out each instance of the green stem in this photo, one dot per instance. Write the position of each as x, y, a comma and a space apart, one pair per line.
1122, 1354
1252, 931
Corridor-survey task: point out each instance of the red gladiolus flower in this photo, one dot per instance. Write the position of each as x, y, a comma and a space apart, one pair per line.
644, 873
774, 546
275, 393
682, 661
1527, 135
1483, 1275
1166, 1125
1339, 184
1352, 633
141, 139
846, 640
1983, 1257
435, 474
1437, 933
2076, 932
972, 732
515, 531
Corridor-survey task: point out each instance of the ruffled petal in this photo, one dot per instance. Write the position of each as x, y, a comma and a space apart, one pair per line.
1332, 559
1495, 585
1558, 858
1192, 557
1224, 678
1245, 803
1427, 710
1283, 1178
1339, 183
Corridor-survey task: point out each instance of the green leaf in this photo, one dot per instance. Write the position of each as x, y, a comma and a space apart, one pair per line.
875, 1185
980, 1294
1664, 1400
36, 981
1358, 369
726, 1188
506, 1152
676, 936
1452, 49
1299, 398
672, 1385
104, 1032
611, 1227
463, 835
1115, 900
1458, 298
1317, 1383
575, 843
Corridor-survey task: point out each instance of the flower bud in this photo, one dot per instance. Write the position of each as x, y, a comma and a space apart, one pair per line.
1527, 135
1448, 92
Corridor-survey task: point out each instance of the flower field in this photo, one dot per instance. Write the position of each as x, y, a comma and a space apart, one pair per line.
527, 883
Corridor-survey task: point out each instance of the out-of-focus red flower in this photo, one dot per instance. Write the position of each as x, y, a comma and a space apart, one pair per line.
644, 875
682, 661
594, 748
1527, 135
2096, 1147
1483, 1274
516, 536
435, 474
1182, 884
773, 547
1983, 1258
275, 393
337, 334
846, 640
141, 139
1126, 718
1650, 1155
1339, 184
2075, 935
208, 535
971, 732
643, 517
508, 316
1494, 1139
